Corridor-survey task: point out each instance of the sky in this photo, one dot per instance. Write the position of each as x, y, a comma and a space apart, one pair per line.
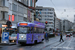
64, 9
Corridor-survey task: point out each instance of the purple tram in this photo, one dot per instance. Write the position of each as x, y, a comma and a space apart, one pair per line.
30, 33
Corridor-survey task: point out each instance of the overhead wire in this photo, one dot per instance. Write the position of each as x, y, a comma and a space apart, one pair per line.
64, 9
67, 6
54, 5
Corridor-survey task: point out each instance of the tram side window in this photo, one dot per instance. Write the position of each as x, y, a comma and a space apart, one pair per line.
42, 30
35, 30
28, 29
39, 30
31, 29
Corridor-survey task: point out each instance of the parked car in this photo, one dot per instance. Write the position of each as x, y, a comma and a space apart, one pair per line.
68, 35
13, 38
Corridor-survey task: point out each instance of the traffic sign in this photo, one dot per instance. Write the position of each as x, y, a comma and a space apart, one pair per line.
5, 36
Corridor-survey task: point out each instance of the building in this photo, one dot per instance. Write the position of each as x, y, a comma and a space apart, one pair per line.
54, 20
57, 24
61, 25
74, 24
67, 25
16, 11
3, 11
46, 14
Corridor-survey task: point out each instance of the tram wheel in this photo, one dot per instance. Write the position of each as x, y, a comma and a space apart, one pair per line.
35, 42
42, 39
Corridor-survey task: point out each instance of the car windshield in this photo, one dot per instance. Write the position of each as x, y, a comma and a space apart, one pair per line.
23, 29
13, 35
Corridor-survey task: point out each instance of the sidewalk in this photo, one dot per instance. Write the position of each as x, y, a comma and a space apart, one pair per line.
3, 44
7, 44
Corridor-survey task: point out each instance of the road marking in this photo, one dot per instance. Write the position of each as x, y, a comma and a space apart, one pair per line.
69, 43
53, 43
59, 44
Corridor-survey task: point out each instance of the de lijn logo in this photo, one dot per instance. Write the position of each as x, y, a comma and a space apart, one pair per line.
5, 36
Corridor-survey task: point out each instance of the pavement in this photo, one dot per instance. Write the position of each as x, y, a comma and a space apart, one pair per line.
7, 44
52, 44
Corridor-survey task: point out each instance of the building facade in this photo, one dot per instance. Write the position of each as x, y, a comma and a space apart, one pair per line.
61, 25
20, 9
74, 24
57, 24
3, 11
67, 25
46, 14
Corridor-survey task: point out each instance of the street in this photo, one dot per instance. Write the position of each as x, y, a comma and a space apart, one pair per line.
23, 23
52, 44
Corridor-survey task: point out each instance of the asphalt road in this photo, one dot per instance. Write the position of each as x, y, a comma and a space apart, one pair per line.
52, 44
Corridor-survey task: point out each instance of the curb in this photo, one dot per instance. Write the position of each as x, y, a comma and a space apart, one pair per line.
8, 44
3, 44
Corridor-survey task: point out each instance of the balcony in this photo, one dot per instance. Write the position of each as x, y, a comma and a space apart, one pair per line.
51, 18
3, 8
51, 24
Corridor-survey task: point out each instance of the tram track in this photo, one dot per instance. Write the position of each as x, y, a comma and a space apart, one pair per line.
52, 44
57, 45
59, 48
49, 45
31, 46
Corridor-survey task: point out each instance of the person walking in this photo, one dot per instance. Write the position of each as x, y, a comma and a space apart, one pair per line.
46, 35
61, 38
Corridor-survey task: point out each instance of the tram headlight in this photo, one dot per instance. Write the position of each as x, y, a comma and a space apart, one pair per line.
21, 36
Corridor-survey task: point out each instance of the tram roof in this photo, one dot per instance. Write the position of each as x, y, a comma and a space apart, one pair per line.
33, 24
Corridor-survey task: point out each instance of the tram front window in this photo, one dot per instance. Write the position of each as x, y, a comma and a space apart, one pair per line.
23, 29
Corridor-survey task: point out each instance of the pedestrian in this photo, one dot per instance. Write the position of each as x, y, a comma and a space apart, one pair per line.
61, 38
46, 36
